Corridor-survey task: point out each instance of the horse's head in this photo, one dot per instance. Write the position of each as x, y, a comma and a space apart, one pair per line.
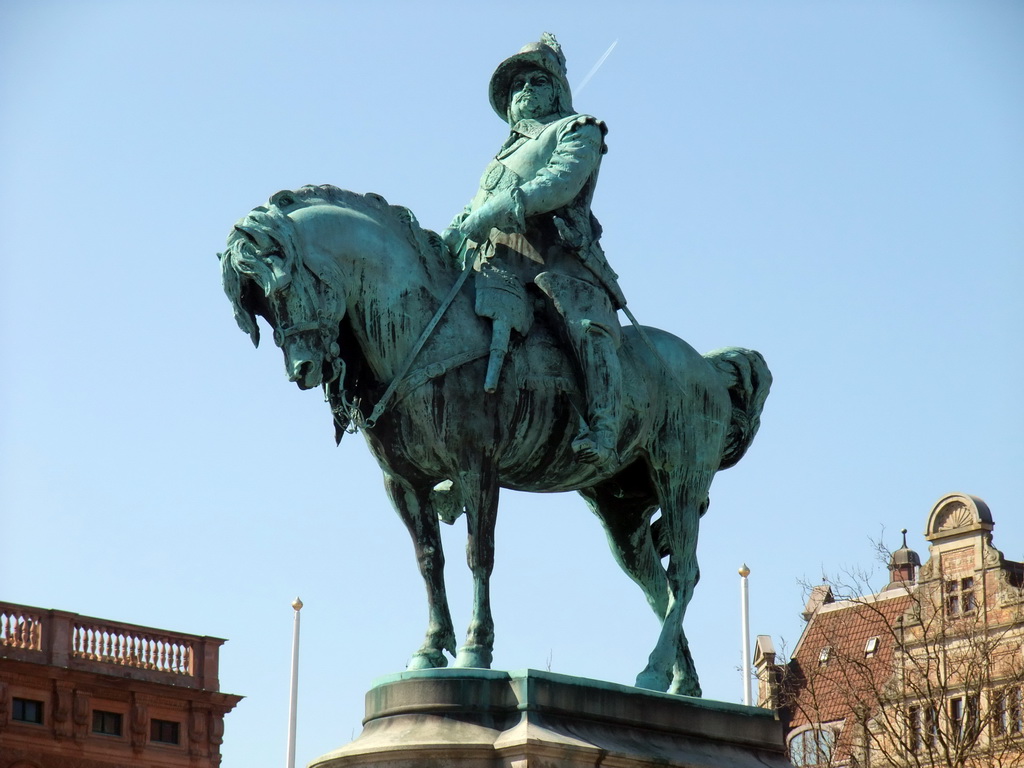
265, 273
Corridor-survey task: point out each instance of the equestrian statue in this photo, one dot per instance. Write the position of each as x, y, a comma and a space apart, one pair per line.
491, 356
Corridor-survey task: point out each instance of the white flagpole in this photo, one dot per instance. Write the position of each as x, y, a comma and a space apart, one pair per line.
745, 621
292, 701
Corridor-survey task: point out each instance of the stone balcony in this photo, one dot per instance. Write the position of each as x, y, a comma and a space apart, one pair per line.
87, 644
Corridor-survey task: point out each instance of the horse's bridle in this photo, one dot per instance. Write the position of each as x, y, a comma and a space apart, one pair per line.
329, 346
280, 334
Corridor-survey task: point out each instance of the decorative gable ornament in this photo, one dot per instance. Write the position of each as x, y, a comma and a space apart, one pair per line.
957, 514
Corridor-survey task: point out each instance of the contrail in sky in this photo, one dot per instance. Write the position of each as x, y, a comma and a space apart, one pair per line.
593, 69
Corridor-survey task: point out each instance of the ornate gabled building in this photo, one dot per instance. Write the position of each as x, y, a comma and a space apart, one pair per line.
80, 692
927, 672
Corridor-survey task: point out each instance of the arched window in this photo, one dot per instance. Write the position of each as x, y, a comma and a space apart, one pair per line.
812, 747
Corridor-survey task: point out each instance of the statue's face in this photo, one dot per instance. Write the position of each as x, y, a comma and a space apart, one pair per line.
533, 94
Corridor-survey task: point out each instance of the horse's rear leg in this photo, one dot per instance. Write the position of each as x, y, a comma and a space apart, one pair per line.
422, 524
683, 496
480, 493
626, 521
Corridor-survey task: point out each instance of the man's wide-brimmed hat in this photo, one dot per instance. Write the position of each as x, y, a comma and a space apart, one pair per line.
546, 55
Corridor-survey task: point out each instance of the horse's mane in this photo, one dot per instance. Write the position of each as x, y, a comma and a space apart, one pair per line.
242, 261
428, 244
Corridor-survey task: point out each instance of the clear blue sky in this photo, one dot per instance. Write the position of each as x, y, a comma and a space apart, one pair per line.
839, 185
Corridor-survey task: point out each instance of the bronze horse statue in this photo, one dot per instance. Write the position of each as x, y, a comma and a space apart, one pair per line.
349, 284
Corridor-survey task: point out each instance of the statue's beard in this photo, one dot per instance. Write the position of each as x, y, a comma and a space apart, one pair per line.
530, 106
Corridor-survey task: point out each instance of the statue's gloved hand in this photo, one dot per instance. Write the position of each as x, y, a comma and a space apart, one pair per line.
503, 211
453, 237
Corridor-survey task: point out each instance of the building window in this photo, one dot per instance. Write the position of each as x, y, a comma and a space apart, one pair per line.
931, 726
164, 731
956, 714
107, 723
27, 711
812, 747
915, 736
1006, 712
964, 718
960, 596
871, 647
825, 655
973, 724
923, 727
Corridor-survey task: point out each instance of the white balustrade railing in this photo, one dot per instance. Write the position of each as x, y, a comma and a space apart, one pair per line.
70, 639
118, 645
20, 629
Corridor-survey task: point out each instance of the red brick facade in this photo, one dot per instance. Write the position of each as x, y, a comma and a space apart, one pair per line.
928, 672
79, 692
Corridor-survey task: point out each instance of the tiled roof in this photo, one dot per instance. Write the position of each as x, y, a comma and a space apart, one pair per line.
827, 685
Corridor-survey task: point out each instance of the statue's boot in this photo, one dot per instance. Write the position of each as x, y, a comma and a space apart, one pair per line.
602, 374
594, 334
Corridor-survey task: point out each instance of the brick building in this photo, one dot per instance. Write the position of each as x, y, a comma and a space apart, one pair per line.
927, 672
81, 692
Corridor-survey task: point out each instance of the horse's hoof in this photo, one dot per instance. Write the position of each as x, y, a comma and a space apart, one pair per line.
685, 686
473, 657
427, 660
652, 681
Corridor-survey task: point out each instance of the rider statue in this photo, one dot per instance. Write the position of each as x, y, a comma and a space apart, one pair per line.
530, 225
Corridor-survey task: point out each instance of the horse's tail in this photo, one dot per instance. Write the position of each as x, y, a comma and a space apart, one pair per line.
748, 378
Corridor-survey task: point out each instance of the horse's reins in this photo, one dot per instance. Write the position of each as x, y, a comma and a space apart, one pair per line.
378, 409
396, 382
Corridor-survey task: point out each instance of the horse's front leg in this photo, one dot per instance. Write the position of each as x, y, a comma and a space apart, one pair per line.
419, 518
480, 493
683, 496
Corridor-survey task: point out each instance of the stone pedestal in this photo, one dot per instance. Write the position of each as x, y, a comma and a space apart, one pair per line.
482, 718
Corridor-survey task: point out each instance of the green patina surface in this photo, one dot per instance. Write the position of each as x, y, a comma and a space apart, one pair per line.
491, 356
585, 683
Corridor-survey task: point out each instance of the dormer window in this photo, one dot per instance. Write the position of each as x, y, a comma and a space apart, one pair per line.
871, 647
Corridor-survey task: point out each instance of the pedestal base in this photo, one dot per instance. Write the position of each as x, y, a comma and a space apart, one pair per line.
481, 718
